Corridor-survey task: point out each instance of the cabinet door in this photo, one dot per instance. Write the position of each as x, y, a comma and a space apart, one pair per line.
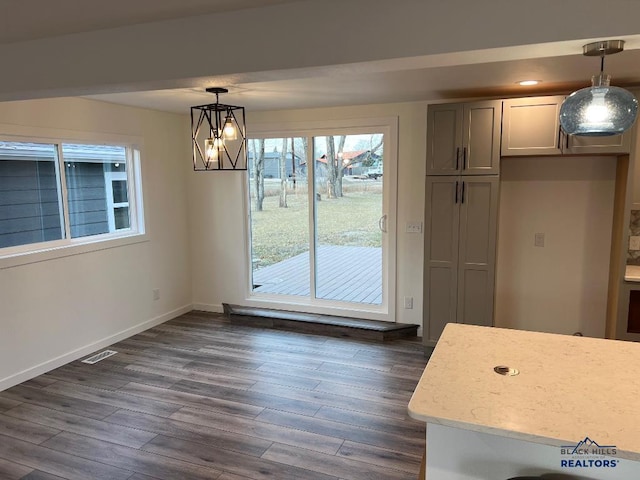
531, 126
574, 144
477, 249
481, 138
444, 139
441, 254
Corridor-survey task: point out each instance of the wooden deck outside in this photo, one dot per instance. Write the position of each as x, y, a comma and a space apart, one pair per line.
346, 274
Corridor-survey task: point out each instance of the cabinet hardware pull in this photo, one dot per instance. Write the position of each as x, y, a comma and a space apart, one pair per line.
559, 138
462, 196
464, 159
456, 192
457, 158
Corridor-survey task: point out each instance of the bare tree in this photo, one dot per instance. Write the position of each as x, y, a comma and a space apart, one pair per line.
283, 174
258, 176
334, 166
373, 151
304, 148
293, 164
340, 164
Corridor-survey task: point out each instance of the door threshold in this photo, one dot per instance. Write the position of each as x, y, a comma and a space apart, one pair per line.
331, 325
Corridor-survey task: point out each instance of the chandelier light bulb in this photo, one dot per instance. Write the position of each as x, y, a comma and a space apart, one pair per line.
211, 152
229, 131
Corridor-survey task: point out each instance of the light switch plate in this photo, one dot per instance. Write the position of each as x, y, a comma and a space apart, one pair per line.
408, 303
538, 240
413, 227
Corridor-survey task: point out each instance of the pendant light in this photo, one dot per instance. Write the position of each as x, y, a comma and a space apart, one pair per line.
218, 135
601, 109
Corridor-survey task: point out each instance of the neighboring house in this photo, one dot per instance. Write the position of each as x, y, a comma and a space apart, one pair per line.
272, 164
96, 188
359, 162
356, 163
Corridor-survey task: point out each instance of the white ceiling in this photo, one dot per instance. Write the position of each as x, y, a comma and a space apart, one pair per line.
561, 68
345, 86
31, 19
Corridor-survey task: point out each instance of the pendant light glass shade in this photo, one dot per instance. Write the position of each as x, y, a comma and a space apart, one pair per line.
599, 110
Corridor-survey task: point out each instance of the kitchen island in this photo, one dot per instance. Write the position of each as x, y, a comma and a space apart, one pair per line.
558, 391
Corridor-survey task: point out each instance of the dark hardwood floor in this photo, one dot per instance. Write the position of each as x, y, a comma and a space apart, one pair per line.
198, 398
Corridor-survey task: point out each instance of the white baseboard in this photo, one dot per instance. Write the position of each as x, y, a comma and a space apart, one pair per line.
206, 307
49, 365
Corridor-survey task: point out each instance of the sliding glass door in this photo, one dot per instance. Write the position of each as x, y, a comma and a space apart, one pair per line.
348, 218
318, 227
280, 230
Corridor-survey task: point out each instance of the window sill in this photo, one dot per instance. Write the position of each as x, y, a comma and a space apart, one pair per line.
68, 250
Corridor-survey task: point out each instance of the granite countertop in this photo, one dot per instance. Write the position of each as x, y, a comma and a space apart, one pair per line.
632, 273
568, 387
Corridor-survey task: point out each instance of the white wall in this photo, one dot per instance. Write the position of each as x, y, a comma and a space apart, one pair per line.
51, 312
561, 287
219, 260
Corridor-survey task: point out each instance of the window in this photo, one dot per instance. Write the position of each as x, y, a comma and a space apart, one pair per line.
55, 193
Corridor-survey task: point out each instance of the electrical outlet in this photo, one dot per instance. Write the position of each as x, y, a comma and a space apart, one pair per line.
408, 303
634, 243
538, 240
413, 227
156, 294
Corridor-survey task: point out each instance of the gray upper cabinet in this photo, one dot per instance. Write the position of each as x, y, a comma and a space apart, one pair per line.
444, 139
574, 144
464, 138
531, 126
460, 248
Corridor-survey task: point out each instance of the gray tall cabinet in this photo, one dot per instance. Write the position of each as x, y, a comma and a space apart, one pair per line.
463, 163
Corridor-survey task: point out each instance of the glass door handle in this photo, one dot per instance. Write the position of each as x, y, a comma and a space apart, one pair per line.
382, 223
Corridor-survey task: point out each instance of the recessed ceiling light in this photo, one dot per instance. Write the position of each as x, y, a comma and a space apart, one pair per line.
527, 83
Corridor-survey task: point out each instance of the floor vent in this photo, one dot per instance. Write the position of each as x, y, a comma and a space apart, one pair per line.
99, 356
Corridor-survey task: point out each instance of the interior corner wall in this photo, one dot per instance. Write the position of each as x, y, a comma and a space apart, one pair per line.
562, 286
219, 222
54, 311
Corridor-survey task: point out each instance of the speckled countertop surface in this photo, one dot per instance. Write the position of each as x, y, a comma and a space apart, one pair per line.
568, 387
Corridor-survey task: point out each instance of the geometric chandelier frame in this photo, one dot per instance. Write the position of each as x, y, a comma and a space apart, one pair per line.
218, 136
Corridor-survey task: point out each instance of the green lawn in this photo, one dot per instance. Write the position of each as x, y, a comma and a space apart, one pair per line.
280, 233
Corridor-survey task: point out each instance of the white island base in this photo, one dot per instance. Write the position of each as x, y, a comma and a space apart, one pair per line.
459, 454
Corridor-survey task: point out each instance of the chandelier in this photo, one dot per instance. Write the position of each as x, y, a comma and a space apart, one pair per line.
218, 135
